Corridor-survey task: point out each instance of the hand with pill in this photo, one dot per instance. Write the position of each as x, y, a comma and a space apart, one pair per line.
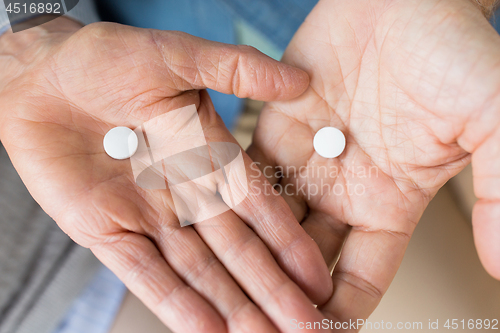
68, 129
413, 86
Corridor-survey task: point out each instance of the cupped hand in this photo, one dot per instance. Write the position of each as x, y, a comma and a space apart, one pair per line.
413, 84
63, 88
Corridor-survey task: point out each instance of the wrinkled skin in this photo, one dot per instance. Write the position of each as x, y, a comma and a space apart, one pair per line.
62, 88
414, 85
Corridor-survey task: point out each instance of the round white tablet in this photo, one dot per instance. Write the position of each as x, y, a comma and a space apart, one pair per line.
329, 142
120, 143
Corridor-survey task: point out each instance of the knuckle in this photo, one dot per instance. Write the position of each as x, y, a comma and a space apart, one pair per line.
247, 49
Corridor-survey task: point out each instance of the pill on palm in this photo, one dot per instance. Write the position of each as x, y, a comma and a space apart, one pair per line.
329, 142
120, 143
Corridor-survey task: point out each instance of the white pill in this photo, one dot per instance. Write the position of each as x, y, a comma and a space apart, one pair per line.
329, 142
120, 143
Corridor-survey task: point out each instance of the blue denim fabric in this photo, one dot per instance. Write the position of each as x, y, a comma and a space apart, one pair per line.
213, 20
278, 20
495, 20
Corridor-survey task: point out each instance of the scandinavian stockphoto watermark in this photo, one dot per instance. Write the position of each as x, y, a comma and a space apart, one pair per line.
20, 11
314, 180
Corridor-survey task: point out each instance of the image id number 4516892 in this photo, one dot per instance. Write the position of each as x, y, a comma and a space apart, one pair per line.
478, 324
34, 8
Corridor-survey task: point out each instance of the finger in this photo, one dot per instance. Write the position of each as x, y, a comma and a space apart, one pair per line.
366, 267
255, 269
324, 229
168, 62
327, 231
137, 262
486, 212
486, 226
271, 219
297, 205
295, 251
197, 265
231, 69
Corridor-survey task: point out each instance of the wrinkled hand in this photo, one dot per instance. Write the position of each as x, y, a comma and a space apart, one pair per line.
62, 88
415, 86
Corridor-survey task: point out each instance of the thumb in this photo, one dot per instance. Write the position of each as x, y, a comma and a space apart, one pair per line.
486, 213
231, 69
486, 223
111, 66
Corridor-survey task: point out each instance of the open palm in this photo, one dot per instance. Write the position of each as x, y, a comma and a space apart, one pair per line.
66, 90
413, 84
